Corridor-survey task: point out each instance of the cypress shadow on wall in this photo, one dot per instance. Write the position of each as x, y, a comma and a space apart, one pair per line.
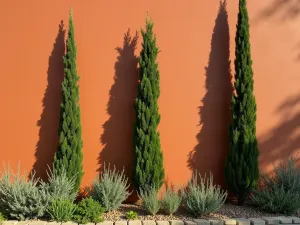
49, 120
117, 135
210, 152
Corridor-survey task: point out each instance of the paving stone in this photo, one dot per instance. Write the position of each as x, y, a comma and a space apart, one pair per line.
53, 223
271, 220
162, 222
214, 221
25, 222
201, 222
106, 222
121, 222
67, 223
284, 219
134, 222
151, 222
230, 221
257, 221
9, 222
39, 223
242, 221
176, 222
189, 223
294, 219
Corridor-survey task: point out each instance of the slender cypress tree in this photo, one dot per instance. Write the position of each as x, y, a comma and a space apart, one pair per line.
148, 162
241, 170
69, 154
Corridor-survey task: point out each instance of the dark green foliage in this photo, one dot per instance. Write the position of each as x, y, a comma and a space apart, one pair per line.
148, 163
61, 210
241, 170
69, 153
280, 193
87, 211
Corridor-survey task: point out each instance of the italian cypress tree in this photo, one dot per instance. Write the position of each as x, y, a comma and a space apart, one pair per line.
148, 158
68, 156
241, 170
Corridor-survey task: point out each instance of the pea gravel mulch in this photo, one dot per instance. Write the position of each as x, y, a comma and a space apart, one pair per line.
226, 212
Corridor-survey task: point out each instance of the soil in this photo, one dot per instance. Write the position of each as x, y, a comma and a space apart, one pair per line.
227, 211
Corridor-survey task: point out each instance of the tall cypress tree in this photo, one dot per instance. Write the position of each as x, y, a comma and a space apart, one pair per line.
148, 162
68, 156
241, 170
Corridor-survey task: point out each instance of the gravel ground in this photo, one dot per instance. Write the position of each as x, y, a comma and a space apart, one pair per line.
227, 211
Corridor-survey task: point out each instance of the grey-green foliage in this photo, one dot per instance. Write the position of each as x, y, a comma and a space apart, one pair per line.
150, 202
110, 188
170, 201
61, 210
59, 186
22, 198
281, 192
203, 198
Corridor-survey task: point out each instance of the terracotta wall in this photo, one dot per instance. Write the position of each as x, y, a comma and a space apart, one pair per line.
196, 39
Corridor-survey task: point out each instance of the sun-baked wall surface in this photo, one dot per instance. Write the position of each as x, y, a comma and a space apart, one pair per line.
196, 39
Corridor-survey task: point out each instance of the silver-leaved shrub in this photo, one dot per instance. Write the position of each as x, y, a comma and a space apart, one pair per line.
25, 198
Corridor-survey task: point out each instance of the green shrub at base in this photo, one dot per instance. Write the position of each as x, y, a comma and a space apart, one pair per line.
110, 189
61, 210
280, 193
2, 218
150, 202
170, 202
87, 211
131, 215
203, 198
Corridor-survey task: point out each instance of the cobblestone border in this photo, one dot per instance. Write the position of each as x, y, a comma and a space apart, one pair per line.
213, 221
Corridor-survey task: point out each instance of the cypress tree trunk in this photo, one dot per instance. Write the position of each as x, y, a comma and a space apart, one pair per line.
148, 162
69, 153
241, 170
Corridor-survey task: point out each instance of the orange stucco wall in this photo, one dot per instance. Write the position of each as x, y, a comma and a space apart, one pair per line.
196, 39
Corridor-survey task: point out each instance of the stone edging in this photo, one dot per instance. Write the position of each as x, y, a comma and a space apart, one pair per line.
212, 221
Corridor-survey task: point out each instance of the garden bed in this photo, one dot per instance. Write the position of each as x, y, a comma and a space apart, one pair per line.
227, 211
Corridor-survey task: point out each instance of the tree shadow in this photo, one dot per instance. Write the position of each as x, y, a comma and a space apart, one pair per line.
49, 120
283, 140
282, 10
210, 152
117, 136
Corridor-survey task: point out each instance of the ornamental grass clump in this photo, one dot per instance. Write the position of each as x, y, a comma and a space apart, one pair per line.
203, 198
281, 192
61, 210
110, 188
150, 202
170, 201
